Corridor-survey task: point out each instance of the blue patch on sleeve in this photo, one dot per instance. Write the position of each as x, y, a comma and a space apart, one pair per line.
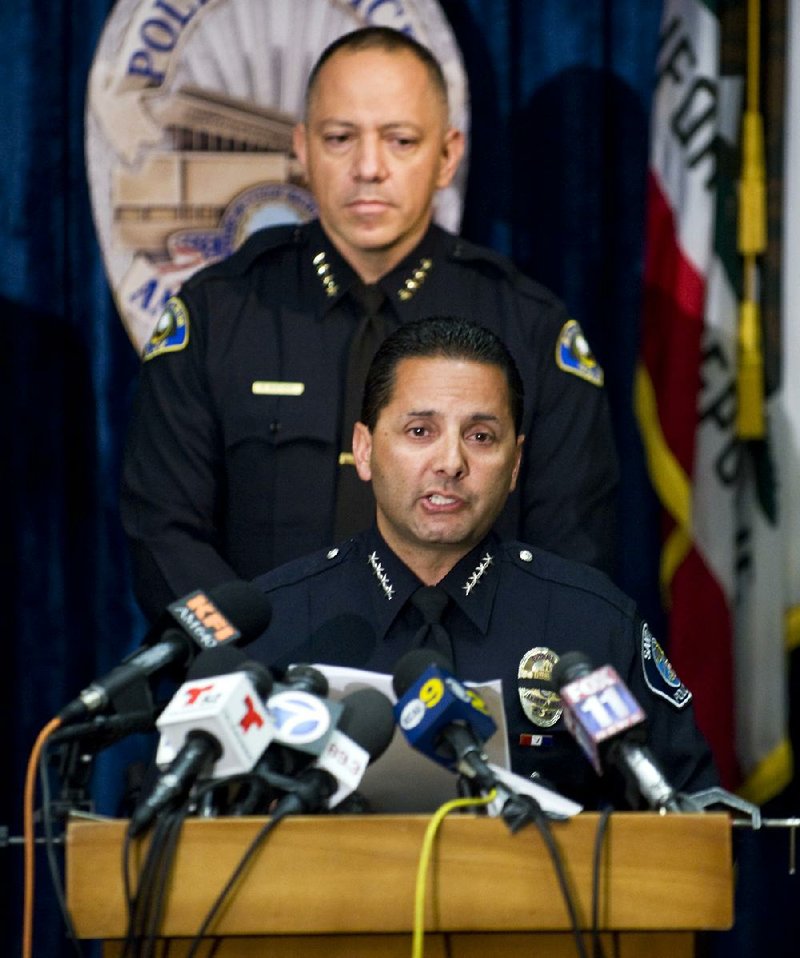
659, 674
172, 330
574, 355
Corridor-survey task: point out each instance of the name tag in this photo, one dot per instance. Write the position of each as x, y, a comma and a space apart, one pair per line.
270, 388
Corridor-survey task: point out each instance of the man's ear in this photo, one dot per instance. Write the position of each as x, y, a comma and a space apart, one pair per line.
299, 144
362, 451
515, 473
452, 152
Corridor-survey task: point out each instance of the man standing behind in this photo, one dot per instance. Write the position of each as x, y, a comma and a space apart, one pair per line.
440, 443
239, 449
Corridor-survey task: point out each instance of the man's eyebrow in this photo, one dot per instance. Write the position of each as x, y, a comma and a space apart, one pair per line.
474, 417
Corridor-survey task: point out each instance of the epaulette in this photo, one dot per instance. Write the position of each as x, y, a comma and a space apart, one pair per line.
306, 567
263, 241
576, 575
462, 251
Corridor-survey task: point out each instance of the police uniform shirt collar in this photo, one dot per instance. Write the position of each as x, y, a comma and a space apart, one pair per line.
390, 582
331, 277
471, 584
403, 283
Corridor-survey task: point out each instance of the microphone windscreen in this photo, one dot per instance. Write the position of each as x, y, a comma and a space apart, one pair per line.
410, 666
368, 719
570, 666
221, 660
307, 678
245, 605
226, 659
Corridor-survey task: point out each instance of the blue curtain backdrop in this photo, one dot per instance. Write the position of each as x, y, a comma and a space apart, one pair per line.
560, 103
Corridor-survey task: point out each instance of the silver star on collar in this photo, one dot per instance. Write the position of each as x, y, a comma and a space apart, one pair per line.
381, 575
477, 573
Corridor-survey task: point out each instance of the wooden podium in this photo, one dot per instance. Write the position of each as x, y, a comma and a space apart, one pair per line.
341, 886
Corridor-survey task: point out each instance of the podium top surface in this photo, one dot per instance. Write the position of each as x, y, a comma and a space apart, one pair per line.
357, 874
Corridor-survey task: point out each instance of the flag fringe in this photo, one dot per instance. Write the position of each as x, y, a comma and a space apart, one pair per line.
772, 774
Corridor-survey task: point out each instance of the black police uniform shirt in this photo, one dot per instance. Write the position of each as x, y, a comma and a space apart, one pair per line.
233, 449
512, 607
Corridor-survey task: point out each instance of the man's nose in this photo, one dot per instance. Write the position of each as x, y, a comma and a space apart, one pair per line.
369, 161
450, 457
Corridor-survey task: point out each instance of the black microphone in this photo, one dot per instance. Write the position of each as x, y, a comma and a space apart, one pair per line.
609, 725
236, 612
215, 726
304, 710
442, 718
365, 729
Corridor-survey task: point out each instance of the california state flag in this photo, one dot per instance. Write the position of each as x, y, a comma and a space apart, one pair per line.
723, 545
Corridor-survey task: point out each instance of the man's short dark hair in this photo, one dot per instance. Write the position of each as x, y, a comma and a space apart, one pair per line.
448, 337
380, 38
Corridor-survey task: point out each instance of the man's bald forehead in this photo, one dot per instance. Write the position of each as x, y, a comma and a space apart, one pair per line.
383, 40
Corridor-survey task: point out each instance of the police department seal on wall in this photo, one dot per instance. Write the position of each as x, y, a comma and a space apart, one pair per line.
190, 109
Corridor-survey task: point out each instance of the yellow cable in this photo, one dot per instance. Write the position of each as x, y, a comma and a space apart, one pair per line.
424, 862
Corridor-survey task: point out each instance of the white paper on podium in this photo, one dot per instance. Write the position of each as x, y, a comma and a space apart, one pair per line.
404, 780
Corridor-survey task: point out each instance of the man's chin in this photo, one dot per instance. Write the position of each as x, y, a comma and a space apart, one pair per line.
447, 536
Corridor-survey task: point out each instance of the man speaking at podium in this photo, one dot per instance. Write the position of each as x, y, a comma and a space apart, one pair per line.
439, 440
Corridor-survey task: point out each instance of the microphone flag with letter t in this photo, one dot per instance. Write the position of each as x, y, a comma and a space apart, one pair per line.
230, 707
214, 726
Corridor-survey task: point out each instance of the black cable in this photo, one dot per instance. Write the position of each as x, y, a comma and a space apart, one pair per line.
144, 902
127, 868
174, 820
237, 873
137, 898
597, 857
558, 865
521, 810
50, 851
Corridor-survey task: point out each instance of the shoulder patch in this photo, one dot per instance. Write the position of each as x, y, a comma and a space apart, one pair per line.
659, 674
172, 330
574, 355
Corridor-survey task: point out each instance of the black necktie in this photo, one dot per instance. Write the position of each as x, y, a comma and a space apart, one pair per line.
431, 602
355, 504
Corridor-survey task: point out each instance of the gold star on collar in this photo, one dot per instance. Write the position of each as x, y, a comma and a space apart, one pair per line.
323, 268
415, 279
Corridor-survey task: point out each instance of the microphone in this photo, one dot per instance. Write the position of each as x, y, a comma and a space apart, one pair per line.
236, 612
608, 724
304, 718
365, 729
303, 721
214, 727
442, 718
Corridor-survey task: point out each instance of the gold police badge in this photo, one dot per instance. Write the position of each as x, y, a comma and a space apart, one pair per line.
539, 702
